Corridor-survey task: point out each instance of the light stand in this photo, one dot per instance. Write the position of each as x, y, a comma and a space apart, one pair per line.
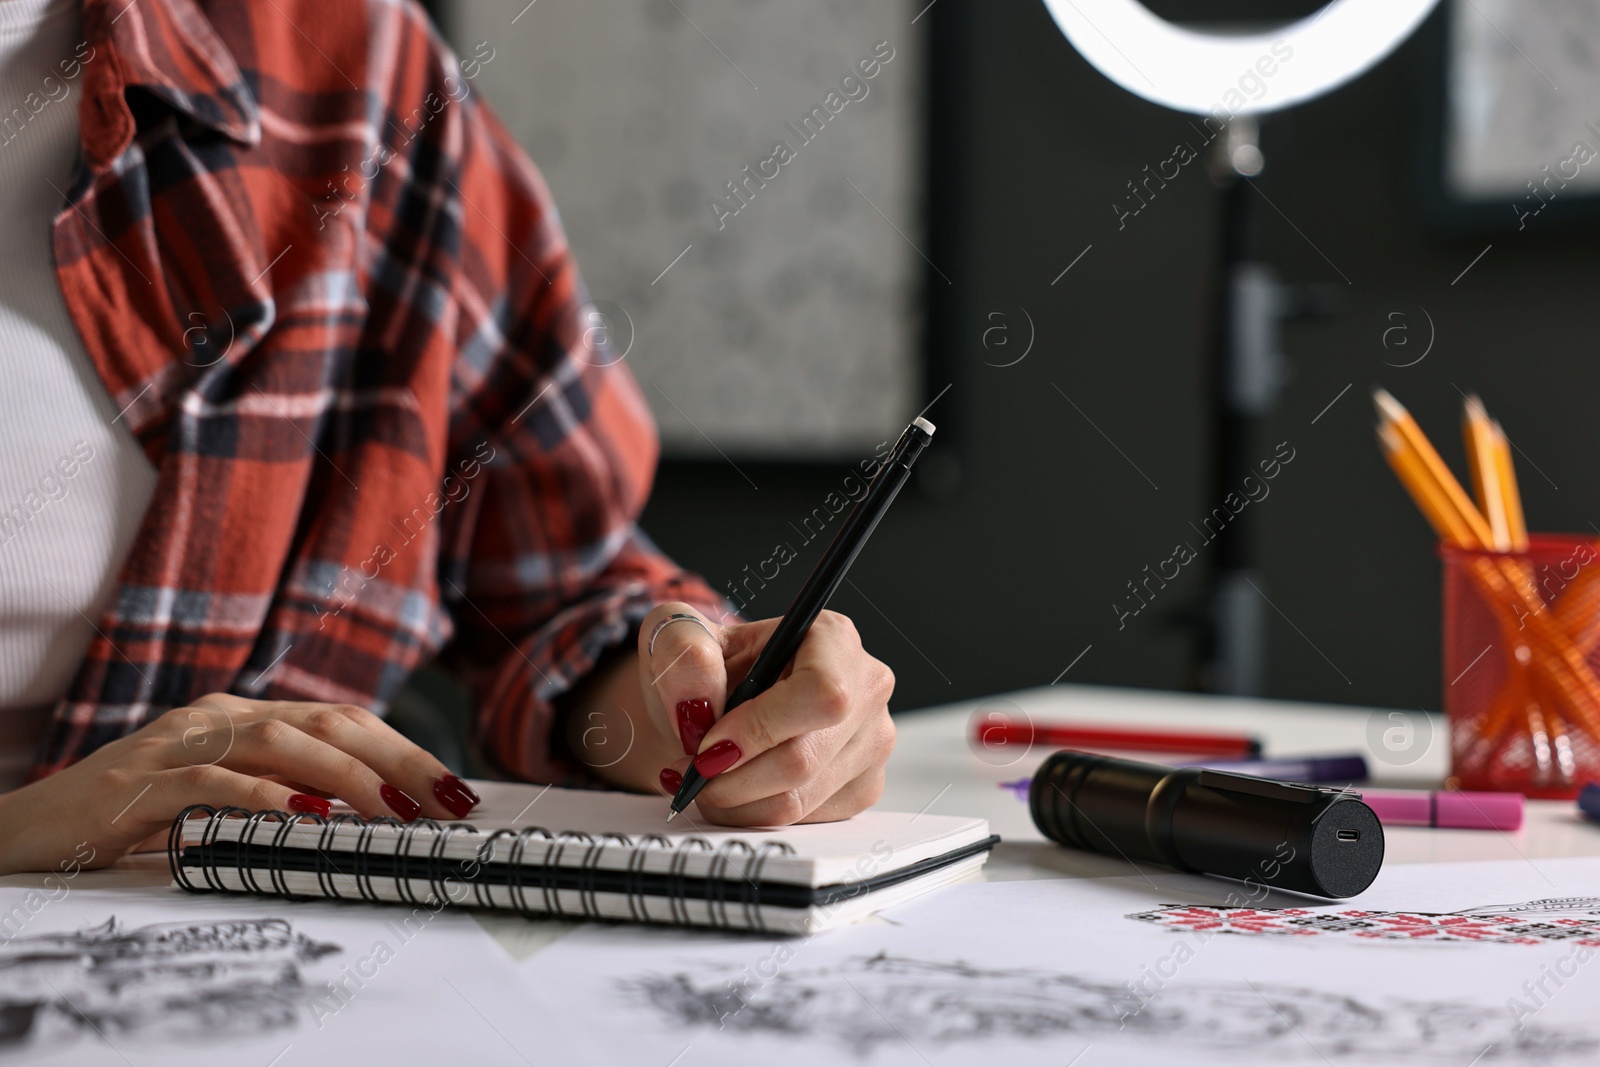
1196, 71
1247, 372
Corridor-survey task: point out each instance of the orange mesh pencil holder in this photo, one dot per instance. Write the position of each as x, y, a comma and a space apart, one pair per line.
1522, 666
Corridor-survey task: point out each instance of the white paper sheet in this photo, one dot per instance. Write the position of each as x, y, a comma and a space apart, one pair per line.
159, 976
1038, 972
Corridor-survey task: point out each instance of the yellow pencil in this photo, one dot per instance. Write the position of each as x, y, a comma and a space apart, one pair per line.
1484, 463
1516, 524
1430, 498
1437, 475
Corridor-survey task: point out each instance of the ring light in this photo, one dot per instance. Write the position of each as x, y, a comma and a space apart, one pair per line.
1201, 71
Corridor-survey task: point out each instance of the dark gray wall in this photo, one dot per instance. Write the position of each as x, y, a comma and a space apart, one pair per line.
1003, 582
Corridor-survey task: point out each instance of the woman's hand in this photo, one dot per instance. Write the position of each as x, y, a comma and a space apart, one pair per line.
810, 749
223, 750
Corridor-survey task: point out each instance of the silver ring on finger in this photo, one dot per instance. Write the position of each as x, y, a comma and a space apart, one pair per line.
677, 616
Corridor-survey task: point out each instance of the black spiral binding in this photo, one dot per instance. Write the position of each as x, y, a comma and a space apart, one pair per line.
505, 849
636, 865
327, 869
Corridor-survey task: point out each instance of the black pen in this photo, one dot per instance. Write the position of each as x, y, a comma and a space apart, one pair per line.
814, 595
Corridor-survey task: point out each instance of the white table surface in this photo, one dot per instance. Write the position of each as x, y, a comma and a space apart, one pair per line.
935, 768
934, 762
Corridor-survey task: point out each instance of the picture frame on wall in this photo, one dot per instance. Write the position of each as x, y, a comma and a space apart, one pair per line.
743, 186
1512, 124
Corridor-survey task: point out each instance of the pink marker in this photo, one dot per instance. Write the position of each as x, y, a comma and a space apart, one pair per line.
1448, 809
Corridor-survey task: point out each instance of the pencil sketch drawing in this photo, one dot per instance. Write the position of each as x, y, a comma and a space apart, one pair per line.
162, 982
1534, 922
869, 1002
1562, 907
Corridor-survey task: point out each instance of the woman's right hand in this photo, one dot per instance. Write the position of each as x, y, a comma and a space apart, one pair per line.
222, 750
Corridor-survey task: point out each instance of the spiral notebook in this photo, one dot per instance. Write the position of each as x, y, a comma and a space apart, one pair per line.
582, 854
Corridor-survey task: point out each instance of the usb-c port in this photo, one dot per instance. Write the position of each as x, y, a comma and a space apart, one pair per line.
1349, 835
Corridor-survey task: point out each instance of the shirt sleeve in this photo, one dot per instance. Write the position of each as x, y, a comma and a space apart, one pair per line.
542, 564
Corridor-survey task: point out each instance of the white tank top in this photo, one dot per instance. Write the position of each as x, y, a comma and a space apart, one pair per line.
74, 484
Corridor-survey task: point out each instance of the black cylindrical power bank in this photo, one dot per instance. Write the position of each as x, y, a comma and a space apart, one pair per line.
1303, 838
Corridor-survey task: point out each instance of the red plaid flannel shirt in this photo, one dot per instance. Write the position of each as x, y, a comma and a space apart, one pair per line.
334, 302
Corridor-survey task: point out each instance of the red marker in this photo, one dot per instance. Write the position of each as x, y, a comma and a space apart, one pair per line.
999, 731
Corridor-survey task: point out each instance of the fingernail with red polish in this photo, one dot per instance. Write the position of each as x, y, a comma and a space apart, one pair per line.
671, 780
718, 758
309, 805
453, 793
472, 794
695, 717
399, 803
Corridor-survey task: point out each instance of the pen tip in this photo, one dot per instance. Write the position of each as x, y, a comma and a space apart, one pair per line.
671, 814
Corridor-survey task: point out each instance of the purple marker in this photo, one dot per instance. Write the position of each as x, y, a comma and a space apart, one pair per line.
1317, 770
1588, 801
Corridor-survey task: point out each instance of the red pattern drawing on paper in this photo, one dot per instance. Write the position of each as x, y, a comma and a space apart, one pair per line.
1537, 922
